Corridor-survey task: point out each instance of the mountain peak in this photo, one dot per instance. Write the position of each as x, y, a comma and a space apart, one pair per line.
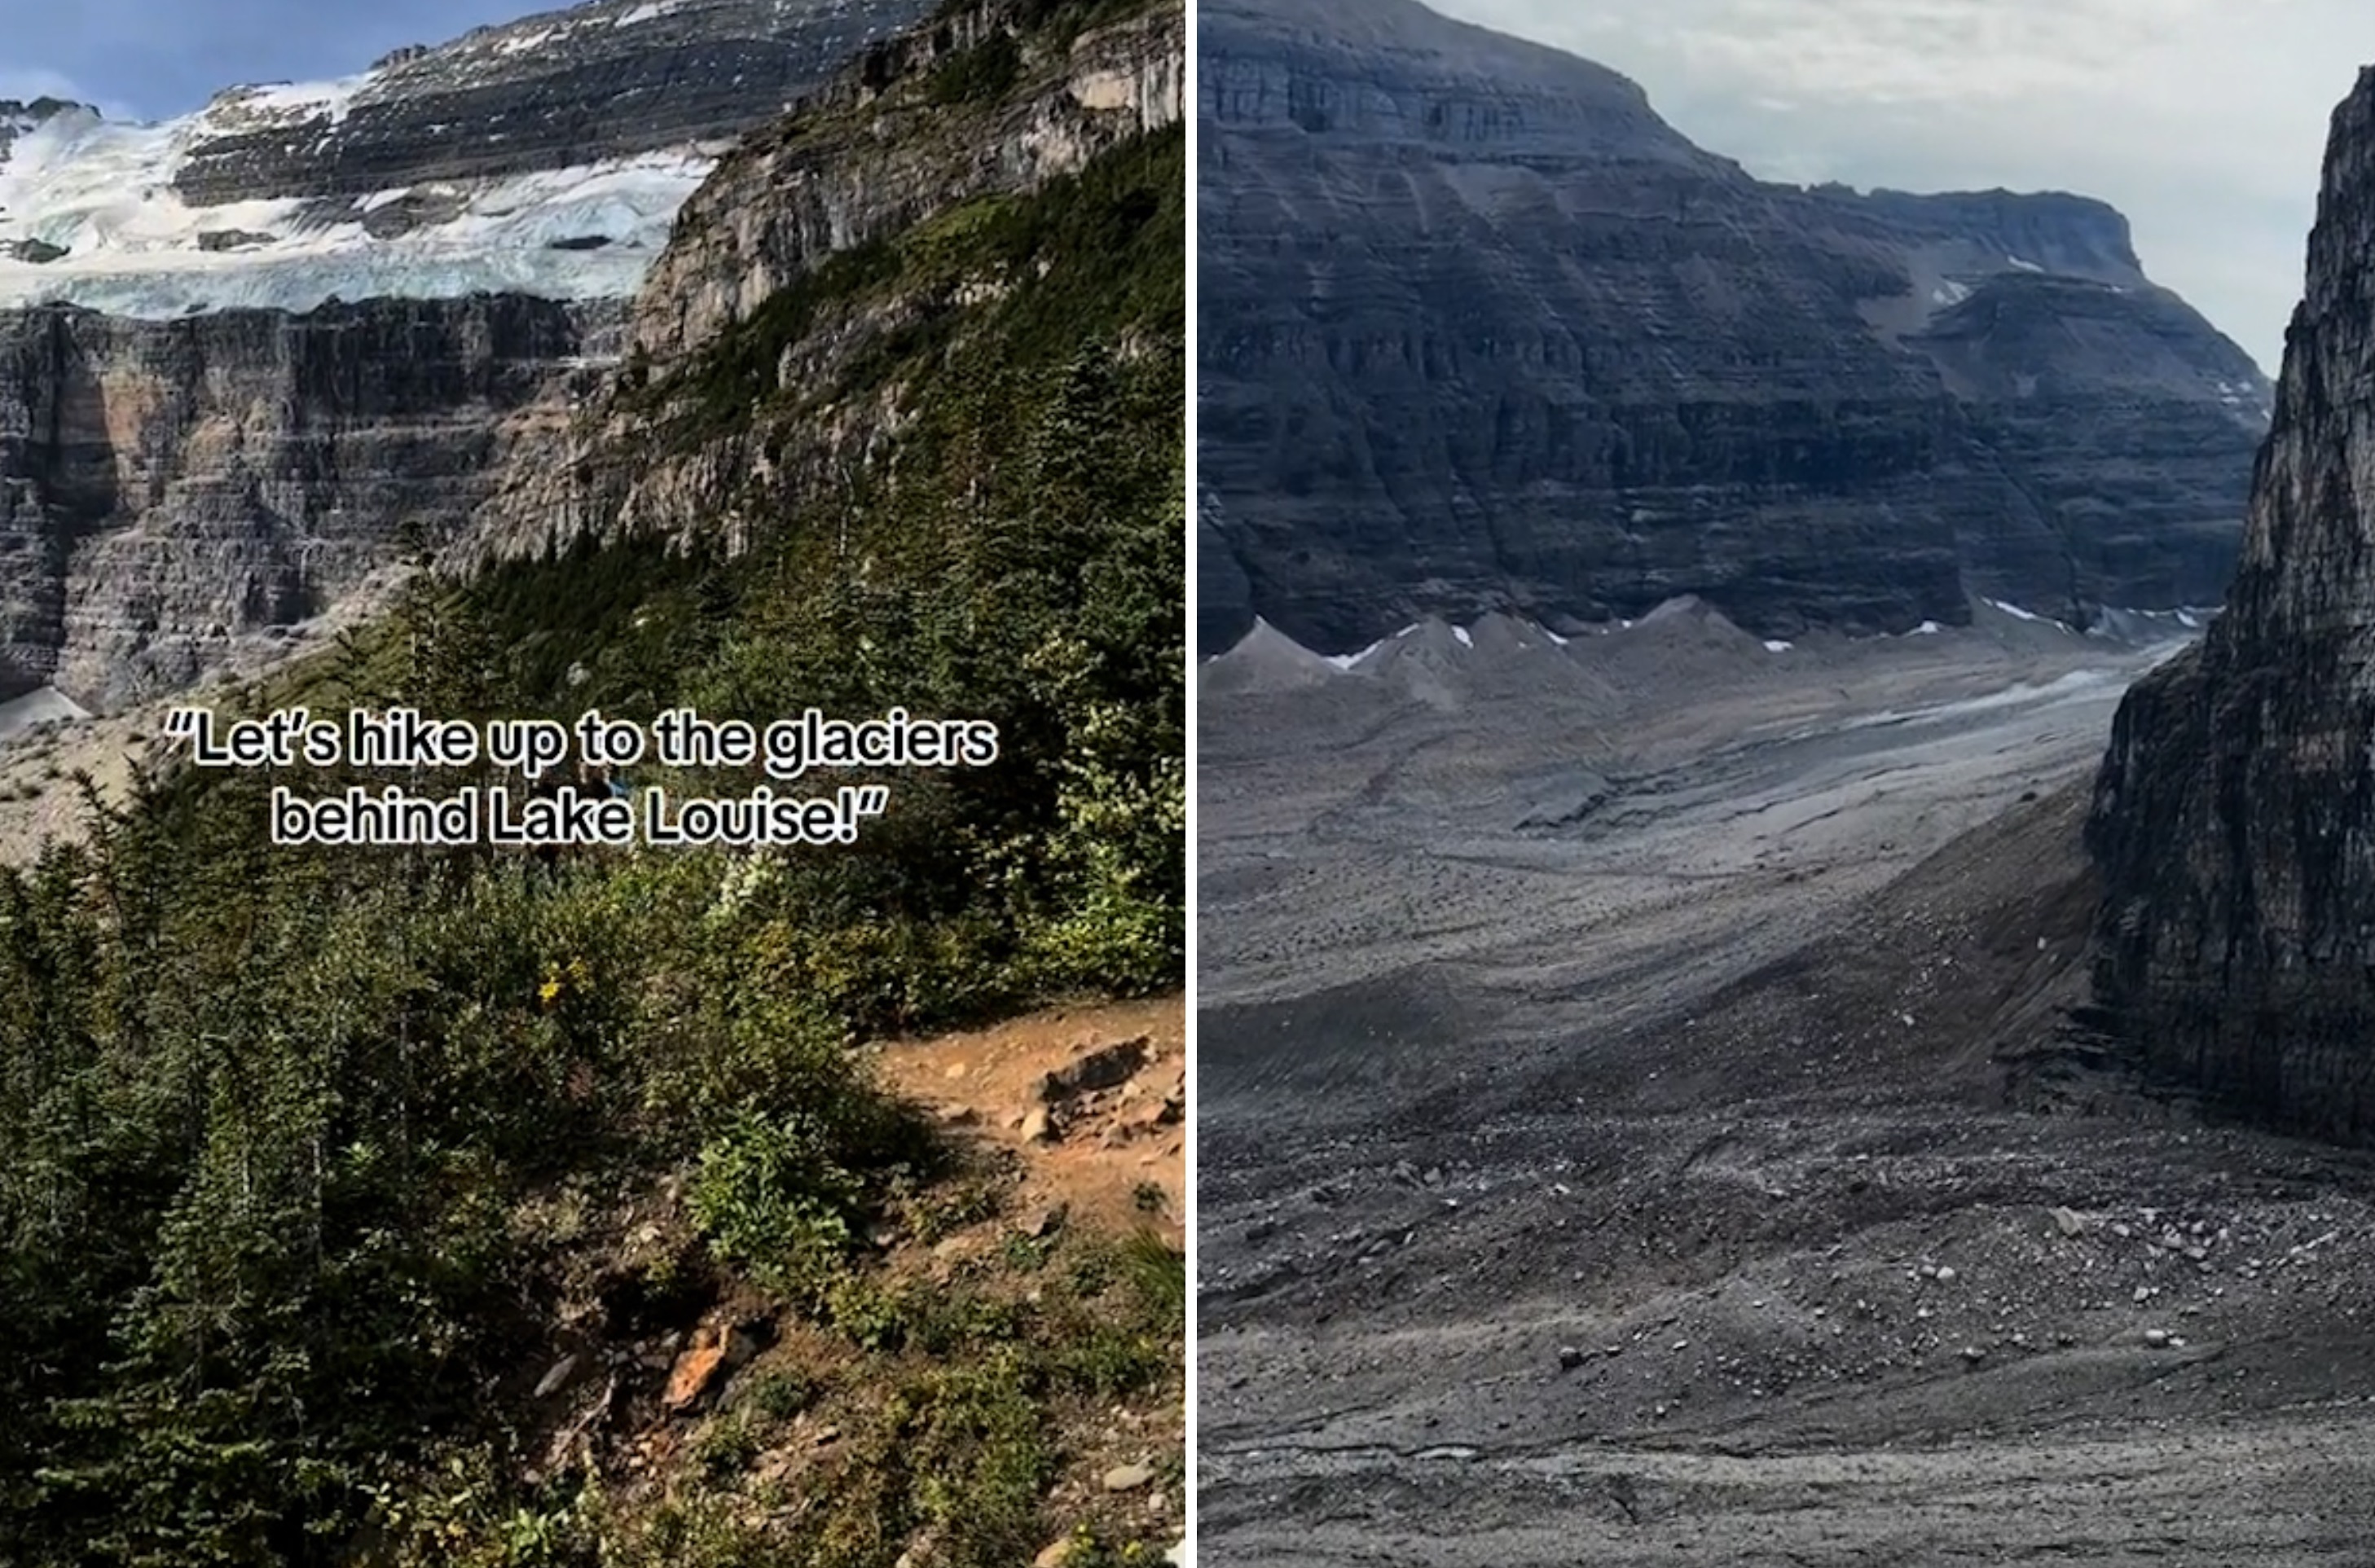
1395, 69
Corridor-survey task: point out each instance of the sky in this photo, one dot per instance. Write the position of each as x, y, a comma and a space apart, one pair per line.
153, 59
2203, 121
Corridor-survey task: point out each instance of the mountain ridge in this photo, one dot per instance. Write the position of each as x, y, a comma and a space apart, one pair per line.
195, 453
1480, 338
859, 207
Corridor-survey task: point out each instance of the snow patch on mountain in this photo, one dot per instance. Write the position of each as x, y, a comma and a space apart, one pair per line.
297, 102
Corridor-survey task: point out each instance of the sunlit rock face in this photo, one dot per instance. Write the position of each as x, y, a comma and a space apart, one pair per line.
255, 355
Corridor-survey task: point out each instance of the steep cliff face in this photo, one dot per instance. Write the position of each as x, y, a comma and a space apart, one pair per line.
873, 224
168, 484
1479, 330
871, 156
165, 486
2234, 818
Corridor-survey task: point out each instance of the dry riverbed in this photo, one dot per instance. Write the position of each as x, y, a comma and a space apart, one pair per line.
1641, 1122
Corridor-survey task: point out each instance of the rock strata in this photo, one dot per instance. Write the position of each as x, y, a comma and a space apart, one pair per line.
560, 88
168, 482
2234, 817
193, 464
165, 486
1480, 331
865, 159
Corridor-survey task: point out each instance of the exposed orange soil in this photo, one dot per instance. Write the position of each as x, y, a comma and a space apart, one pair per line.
1096, 1149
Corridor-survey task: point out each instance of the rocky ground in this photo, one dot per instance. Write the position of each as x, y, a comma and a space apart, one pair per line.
47, 738
1087, 1107
1641, 1121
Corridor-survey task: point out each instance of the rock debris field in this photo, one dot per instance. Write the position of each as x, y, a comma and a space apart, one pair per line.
1642, 1122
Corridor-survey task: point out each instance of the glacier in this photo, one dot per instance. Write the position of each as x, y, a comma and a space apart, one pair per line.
103, 194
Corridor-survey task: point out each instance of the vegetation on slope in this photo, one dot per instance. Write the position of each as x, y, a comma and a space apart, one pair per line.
305, 1154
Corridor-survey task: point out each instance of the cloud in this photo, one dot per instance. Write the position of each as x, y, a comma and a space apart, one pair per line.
26, 85
1932, 52
2202, 120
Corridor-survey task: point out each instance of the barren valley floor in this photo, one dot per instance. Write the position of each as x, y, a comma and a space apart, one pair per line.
1639, 1123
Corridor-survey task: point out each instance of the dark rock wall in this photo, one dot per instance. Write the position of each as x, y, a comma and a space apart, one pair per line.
2234, 818
1478, 331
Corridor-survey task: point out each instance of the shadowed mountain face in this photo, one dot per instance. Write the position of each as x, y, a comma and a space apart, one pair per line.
1480, 331
2234, 815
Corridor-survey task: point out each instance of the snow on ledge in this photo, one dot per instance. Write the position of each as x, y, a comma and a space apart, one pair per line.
1347, 661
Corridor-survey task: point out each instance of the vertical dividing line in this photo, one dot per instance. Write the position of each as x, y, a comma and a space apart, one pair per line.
1192, 109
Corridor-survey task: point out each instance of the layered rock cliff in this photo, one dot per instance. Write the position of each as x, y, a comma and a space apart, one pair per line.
1479, 330
552, 90
165, 486
871, 155
2234, 818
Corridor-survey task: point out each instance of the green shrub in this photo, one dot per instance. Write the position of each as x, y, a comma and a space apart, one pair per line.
979, 1446
981, 73
782, 1393
726, 1447
771, 1197
875, 1315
